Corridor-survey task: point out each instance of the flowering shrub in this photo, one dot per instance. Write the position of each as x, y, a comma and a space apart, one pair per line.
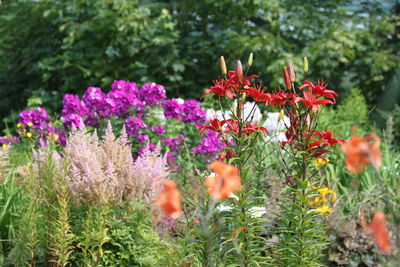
145, 113
300, 232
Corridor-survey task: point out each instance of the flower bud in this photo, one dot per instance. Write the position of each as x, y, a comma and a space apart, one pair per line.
286, 78
281, 114
305, 64
250, 61
222, 65
239, 71
291, 73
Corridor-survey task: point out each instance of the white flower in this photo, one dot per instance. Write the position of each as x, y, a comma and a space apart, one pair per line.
257, 212
180, 100
247, 108
235, 197
272, 124
223, 208
215, 114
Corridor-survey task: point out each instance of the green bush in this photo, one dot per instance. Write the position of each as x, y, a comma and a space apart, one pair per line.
51, 47
133, 241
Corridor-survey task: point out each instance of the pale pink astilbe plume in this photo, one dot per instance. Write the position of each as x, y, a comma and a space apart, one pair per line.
92, 177
104, 170
150, 173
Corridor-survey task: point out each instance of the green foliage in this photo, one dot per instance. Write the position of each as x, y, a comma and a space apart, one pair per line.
351, 111
132, 240
52, 47
11, 203
302, 234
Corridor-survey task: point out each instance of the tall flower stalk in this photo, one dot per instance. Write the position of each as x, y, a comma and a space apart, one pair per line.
301, 232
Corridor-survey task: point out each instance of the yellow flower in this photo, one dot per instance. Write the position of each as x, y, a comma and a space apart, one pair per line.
4, 146
29, 135
19, 125
325, 191
320, 162
325, 209
322, 202
29, 124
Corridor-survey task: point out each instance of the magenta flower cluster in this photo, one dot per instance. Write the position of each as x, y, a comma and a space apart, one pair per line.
38, 122
209, 146
122, 101
6, 140
189, 111
37, 118
136, 108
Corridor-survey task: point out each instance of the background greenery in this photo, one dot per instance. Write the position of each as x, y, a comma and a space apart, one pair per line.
51, 47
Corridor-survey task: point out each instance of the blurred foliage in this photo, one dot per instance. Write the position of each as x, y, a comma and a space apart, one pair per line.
51, 47
352, 111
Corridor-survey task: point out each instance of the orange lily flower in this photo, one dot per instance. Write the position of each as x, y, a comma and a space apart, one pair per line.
225, 181
362, 151
378, 227
170, 200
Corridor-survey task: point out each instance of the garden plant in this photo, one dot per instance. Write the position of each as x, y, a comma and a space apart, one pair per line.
249, 175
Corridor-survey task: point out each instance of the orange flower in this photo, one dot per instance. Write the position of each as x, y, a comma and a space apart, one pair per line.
170, 200
225, 181
362, 151
378, 227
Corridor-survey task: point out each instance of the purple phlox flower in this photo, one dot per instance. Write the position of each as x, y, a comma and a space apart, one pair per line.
142, 138
9, 139
210, 146
133, 126
125, 95
98, 104
72, 119
148, 147
158, 129
173, 144
152, 94
72, 104
171, 159
192, 112
172, 109
38, 117
125, 86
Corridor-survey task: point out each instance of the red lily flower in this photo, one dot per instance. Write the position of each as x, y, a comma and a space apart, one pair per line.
311, 102
320, 90
327, 138
220, 88
234, 82
257, 94
216, 126
232, 126
280, 99
251, 128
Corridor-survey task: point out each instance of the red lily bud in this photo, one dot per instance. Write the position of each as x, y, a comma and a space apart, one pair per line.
239, 71
291, 73
286, 78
